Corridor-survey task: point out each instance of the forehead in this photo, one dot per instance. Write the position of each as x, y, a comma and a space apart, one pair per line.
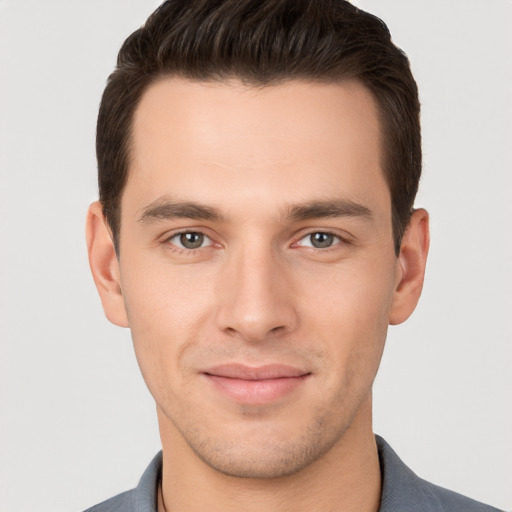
293, 141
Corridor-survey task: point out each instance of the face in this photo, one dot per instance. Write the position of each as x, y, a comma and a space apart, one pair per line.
257, 267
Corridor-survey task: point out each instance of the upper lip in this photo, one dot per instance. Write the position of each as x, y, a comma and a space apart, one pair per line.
245, 372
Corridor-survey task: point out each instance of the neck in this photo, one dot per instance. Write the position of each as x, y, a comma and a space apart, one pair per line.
346, 478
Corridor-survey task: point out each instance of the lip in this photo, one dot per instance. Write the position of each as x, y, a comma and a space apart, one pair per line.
256, 385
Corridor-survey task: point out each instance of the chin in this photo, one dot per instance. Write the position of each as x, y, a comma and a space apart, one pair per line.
255, 462
263, 452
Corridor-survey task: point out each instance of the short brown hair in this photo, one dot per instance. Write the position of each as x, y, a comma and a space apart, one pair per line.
264, 42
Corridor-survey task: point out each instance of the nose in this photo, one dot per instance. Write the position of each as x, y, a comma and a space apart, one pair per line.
256, 299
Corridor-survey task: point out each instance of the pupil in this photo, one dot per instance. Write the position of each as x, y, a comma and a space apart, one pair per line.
191, 240
322, 240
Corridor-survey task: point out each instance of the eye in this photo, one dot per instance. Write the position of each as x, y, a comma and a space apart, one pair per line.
190, 240
319, 240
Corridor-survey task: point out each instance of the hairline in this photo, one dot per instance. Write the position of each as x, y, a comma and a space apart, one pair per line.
233, 79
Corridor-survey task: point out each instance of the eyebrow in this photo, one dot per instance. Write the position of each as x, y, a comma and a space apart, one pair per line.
165, 209
329, 208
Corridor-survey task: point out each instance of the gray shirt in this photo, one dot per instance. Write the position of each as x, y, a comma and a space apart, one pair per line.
402, 491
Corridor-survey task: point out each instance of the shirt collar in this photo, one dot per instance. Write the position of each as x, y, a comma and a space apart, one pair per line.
401, 488
146, 494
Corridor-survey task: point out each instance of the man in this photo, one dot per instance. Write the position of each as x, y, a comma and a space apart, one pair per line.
258, 163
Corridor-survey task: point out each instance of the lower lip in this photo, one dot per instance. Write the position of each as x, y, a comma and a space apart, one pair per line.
256, 392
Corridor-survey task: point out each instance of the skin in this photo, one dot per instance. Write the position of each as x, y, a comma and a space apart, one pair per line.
257, 291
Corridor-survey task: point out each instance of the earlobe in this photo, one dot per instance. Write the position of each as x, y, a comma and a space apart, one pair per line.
412, 261
105, 266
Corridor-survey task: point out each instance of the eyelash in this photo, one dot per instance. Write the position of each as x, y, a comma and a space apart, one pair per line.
339, 240
191, 251
184, 250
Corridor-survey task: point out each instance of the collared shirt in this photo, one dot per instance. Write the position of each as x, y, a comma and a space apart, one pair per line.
402, 491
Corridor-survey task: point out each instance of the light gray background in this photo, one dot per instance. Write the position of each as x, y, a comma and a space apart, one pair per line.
77, 424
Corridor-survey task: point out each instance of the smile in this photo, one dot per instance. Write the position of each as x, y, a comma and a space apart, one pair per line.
255, 386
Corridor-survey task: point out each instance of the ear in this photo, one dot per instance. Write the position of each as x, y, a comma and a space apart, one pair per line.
105, 266
411, 267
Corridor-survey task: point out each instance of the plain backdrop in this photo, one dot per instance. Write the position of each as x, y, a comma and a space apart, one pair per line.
77, 423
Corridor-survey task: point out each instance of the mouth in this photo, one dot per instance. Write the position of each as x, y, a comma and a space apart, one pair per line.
256, 385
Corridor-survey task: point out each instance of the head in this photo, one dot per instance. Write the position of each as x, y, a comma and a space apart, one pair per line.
324, 41
257, 167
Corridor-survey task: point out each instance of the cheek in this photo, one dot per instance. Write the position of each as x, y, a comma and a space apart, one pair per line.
167, 310
162, 298
353, 295
351, 316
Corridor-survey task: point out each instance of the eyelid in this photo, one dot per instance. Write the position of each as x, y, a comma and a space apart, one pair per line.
341, 238
166, 239
206, 239
336, 234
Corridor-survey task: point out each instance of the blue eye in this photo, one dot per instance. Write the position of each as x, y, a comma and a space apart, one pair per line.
190, 240
319, 240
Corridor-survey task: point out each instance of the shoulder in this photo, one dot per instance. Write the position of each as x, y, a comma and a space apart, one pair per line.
121, 503
445, 500
141, 499
404, 491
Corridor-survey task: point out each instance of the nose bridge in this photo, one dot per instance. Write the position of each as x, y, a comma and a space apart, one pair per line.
255, 300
